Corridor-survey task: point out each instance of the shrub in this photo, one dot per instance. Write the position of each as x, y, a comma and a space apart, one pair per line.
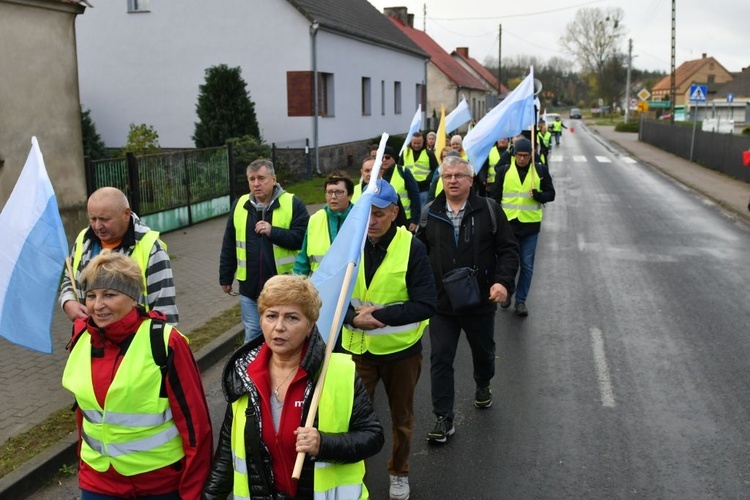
628, 127
746, 130
224, 108
93, 146
246, 149
142, 140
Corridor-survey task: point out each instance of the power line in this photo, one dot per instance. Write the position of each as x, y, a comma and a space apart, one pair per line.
508, 16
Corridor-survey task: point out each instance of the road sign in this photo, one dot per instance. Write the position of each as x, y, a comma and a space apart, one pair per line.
643, 106
633, 103
659, 104
644, 94
730, 97
698, 93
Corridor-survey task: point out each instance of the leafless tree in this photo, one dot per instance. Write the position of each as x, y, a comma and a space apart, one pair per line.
593, 37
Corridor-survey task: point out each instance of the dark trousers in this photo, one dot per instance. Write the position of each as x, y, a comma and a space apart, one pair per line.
89, 495
400, 379
444, 334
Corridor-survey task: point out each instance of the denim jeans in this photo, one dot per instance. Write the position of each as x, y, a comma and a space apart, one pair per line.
89, 495
423, 197
250, 318
527, 250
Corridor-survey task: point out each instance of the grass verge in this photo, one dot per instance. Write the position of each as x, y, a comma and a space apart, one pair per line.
23, 447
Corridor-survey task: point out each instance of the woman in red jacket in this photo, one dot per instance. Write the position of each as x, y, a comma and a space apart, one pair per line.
143, 421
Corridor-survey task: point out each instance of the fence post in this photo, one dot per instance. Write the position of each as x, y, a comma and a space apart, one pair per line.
88, 167
135, 184
232, 179
273, 154
308, 166
187, 188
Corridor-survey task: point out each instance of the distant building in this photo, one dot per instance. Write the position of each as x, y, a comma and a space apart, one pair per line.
497, 90
705, 71
39, 97
447, 79
142, 62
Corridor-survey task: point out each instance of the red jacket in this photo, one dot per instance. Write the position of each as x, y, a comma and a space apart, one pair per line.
186, 399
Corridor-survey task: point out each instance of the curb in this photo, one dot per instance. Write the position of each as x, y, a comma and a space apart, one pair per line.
33, 474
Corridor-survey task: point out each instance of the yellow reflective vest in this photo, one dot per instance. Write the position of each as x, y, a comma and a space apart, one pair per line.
141, 253
134, 432
399, 184
516, 200
388, 286
282, 218
331, 480
420, 168
494, 158
318, 238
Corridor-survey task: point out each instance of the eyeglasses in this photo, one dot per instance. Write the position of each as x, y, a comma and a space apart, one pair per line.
458, 177
386, 157
335, 194
523, 155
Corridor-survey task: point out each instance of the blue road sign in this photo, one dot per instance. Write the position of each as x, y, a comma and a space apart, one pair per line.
698, 93
730, 97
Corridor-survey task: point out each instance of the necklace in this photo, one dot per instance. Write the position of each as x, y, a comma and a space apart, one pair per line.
276, 390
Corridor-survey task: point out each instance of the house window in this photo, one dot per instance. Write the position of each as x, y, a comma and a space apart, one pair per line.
139, 6
420, 96
397, 98
382, 97
711, 78
366, 96
300, 89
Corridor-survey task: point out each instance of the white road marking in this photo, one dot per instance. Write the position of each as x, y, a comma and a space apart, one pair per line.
581, 242
579, 159
602, 370
555, 157
603, 159
627, 159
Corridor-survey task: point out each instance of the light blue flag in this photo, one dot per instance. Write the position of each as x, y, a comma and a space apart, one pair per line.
346, 249
31, 257
414, 127
458, 116
509, 118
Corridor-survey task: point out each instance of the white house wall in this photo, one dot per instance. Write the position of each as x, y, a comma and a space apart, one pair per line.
147, 67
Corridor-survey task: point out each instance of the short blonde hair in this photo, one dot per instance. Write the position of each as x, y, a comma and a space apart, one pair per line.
113, 271
287, 290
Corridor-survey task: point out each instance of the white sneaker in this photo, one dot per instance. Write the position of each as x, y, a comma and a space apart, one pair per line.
399, 488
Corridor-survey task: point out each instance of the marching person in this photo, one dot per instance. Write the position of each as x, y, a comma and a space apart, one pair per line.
393, 298
324, 224
523, 188
463, 230
143, 422
405, 185
421, 162
114, 226
268, 385
261, 239
557, 127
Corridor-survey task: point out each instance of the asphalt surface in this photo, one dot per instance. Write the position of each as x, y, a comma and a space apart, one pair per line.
618, 384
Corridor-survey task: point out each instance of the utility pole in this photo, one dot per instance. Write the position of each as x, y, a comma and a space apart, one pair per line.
672, 81
627, 80
424, 17
499, 61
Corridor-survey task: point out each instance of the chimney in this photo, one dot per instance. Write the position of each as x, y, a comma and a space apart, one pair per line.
400, 14
704, 55
410, 20
464, 51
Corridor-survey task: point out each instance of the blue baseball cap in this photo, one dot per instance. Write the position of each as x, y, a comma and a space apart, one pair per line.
384, 194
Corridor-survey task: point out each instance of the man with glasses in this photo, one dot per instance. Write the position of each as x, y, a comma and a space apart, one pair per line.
261, 240
464, 230
523, 187
324, 224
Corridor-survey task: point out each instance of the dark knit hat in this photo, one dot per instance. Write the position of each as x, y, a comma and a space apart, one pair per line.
390, 152
522, 146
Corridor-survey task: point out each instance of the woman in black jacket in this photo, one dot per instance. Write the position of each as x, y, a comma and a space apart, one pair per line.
269, 384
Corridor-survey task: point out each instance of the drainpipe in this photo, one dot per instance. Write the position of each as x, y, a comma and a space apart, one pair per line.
313, 32
424, 120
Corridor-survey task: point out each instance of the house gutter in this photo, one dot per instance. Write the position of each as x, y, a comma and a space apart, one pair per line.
313, 36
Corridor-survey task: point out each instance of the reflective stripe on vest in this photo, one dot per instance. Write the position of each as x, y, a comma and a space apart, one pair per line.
318, 238
388, 286
141, 253
132, 433
399, 185
282, 218
517, 201
420, 168
331, 481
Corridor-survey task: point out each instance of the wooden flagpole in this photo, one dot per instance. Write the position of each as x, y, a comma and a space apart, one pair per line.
340, 305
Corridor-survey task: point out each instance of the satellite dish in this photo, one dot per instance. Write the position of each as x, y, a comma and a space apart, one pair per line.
537, 86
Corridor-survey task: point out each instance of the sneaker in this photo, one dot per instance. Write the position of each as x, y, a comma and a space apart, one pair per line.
521, 309
399, 488
483, 397
506, 303
442, 430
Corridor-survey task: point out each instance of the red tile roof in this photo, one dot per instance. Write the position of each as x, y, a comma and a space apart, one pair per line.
440, 58
684, 73
480, 69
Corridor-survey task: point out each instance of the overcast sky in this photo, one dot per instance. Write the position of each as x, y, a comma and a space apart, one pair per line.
717, 27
